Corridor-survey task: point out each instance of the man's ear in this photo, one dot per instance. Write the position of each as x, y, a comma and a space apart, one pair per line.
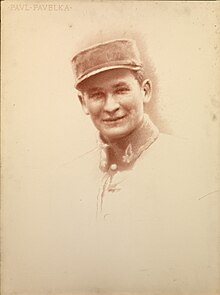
147, 88
83, 103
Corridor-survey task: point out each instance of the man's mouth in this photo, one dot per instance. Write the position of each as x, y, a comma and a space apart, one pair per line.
114, 119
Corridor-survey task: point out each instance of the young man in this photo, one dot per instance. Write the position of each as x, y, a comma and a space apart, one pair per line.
140, 185
113, 91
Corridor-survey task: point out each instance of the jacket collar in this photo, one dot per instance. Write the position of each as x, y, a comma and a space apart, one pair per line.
122, 154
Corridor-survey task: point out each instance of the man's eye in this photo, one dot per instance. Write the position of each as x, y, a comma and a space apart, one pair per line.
96, 95
122, 90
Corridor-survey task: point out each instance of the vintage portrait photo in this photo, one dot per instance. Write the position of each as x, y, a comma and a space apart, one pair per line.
110, 148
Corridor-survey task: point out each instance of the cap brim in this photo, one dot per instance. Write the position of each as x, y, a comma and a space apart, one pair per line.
103, 69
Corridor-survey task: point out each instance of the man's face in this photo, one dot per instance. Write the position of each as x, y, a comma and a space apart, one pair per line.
115, 101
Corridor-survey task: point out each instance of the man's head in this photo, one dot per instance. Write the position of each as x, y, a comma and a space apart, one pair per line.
112, 88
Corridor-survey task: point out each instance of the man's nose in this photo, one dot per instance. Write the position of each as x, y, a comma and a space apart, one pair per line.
111, 104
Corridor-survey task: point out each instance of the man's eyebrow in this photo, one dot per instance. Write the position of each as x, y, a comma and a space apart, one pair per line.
94, 89
120, 84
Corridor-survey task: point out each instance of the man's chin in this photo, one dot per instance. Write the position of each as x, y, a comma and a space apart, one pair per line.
114, 135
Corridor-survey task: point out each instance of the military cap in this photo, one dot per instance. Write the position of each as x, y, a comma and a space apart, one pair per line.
110, 55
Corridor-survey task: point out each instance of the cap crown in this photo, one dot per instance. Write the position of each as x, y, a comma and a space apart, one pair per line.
106, 56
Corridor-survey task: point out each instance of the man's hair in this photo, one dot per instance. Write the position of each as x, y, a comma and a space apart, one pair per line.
139, 76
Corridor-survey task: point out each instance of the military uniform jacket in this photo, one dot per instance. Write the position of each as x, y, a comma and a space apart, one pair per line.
149, 228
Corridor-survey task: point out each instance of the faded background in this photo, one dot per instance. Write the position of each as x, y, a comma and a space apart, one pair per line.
43, 126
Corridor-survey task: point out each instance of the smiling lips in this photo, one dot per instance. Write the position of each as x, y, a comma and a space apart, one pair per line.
114, 119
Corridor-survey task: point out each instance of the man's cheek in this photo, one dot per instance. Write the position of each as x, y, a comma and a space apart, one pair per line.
95, 109
129, 107
128, 103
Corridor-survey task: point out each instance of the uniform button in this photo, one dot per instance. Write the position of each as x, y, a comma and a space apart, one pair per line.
113, 167
106, 216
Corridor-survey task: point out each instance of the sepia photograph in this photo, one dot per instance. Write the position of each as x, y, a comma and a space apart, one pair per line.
110, 140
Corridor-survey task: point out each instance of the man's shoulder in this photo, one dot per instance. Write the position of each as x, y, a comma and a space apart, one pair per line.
83, 164
168, 140
76, 178
168, 158
88, 157
167, 145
